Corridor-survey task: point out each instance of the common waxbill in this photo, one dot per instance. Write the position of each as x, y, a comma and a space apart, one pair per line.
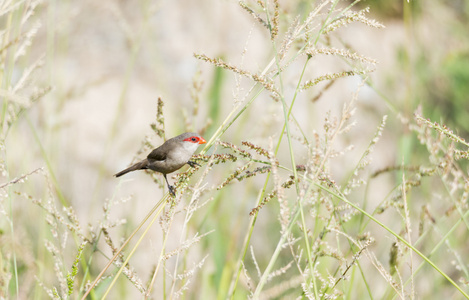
170, 156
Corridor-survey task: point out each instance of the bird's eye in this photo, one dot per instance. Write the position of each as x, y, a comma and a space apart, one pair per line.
194, 139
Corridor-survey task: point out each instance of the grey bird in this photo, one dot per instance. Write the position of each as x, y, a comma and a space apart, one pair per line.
169, 157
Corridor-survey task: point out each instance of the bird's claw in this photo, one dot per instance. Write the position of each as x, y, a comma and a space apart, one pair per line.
172, 190
192, 164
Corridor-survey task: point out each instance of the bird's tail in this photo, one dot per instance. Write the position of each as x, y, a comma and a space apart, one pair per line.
138, 166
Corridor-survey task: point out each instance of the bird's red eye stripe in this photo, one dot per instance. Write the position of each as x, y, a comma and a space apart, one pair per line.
195, 139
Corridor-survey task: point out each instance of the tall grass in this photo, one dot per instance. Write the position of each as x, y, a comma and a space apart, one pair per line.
287, 202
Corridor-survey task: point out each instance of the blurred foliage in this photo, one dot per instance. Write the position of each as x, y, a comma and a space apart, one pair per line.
455, 91
386, 9
430, 73
215, 98
436, 75
443, 89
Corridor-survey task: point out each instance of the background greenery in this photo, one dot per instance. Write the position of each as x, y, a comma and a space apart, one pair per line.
80, 83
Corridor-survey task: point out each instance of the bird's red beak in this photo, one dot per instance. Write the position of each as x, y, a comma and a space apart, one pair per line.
202, 141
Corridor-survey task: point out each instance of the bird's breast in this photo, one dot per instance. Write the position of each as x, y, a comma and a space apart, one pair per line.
174, 161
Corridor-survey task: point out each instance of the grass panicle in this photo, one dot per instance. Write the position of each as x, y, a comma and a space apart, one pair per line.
349, 217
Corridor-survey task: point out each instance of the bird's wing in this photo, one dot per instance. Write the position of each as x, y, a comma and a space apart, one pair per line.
157, 154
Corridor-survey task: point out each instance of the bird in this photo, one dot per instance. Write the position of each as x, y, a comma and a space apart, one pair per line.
169, 157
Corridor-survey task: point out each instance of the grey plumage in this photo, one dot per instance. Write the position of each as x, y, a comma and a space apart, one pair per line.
169, 157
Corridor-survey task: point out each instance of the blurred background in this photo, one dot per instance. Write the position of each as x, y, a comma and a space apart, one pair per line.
107, 62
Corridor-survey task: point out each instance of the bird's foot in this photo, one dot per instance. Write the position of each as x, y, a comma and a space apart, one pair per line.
192, 164
172, 191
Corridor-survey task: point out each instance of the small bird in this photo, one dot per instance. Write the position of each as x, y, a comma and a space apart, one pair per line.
170, 156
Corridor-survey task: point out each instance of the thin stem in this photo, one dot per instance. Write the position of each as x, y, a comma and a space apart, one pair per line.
155, 217
162, 201
342, 198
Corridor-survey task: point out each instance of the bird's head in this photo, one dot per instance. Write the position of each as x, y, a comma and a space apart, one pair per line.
191, 141
196, 139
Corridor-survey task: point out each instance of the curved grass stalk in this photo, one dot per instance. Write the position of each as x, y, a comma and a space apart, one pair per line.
279, 248
401, 239
285, 126
135, 248
158, 264
444, 238
163, 200
437, 246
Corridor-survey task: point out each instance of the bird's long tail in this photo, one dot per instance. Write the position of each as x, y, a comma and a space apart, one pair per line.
138, 166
